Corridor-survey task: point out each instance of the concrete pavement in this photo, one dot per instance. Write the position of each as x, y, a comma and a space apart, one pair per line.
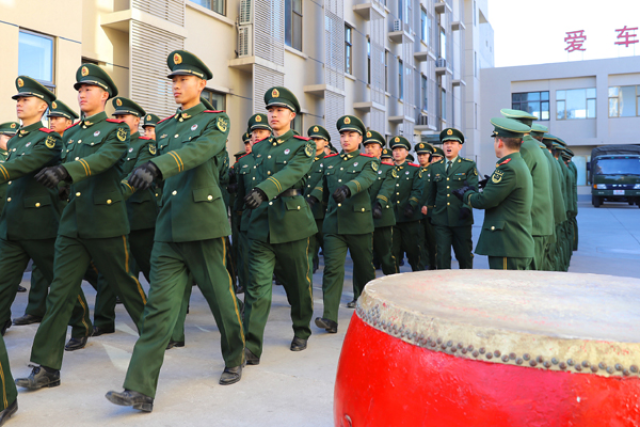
287, 388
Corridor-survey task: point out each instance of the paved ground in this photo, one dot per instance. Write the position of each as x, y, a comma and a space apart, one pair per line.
286, 389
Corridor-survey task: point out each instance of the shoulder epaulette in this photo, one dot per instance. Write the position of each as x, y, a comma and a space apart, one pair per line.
330, 155
146, 138
115, 121
468, 160
304, 138
166, 118
245, 155
73, 125
46, 130
414, 165
366, 155
505, 162
213, 111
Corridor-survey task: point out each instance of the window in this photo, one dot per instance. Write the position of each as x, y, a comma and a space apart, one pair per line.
423, 25
423, 88
218, 6
536, 103
348, 46
429, 31
400, 80
476, 115
624, 101
293, 23
386, 71
475, 22
443, 44
443, 105
218, 100
368, 60
401, 10
576, 104
475, 64
35, 57
297, 123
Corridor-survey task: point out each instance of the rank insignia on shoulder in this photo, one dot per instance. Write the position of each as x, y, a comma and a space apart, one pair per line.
308, 150
222, 124
496, 177
50, 142
121, 134
152, 149
374, 166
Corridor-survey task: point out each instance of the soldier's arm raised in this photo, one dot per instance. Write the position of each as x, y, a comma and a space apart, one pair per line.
498, 188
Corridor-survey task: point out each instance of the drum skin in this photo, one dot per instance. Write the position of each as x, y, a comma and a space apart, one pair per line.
385, 381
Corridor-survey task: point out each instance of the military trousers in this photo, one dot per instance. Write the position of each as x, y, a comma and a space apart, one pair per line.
173, 265
73, 257
9, 390
235, 245
574, 222
317, 242
406, 239
243, 255
460, 239
509, 263
558, 257
427, 245
541, 244
360, 246
383, 249
292, 262
14, 258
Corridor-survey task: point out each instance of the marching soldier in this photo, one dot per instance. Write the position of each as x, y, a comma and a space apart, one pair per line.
541, 209
348, 224
507, 198
452, 219
567, 241
386, 156
408, 193
567, 156
381, 194
321, 137
437, 155
93, 225
280, 227
149, 126
427, 239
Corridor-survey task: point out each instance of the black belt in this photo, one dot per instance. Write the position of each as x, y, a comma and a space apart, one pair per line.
290, 193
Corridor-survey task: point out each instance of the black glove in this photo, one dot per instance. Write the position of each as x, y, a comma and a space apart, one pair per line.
377, 211
312, 201
52, 176
231, 173
408, 211
143, 176
459, 193
255, 198
232, 188
63, 192
464, 214
341, 194
483, 182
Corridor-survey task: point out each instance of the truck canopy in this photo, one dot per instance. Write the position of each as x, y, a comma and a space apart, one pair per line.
618, 149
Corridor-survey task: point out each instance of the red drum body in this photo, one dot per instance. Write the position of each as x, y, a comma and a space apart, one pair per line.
492, 348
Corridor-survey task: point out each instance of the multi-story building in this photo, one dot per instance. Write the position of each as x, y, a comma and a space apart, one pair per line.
407, 67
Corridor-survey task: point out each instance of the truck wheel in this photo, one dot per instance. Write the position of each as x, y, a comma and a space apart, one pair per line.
596, 201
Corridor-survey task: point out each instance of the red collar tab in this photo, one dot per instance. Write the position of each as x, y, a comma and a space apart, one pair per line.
115, 121
213, 111
245, 155
146, 138
505, 162
47, 130
73, 125
366, 155
166, 118
414, 165
387, 163
330, 155
304, 138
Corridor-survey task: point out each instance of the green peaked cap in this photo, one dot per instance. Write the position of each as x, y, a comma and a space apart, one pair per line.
399, 141
91, 74
150, 120
508, 128
185, 63
246, 137
60, 109
9, 128
519, 115
386, 154
351, 124
279, 96
126, 106
538, 130
410, 158
29, 87
437, 151
424, 148
333, 149
451, 134
374, 137
259, 121
318, 131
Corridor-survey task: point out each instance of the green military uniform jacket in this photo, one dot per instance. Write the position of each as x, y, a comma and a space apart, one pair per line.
425, 182
142, 206
31, 210
565, 184
382, 191
282, 163
446, 207
507, 198
190, 147
574, 187
314, 179
3, 187
407, 191
358, 172
559, 213
223, 181
245, 174
542, 209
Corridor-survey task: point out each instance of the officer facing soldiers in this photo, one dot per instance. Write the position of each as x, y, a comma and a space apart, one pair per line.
507, 197
149, 126
451, 218
280, 227
93, 225
427, 238
321, 137
408, 193
348, 223
190, 233
381, 193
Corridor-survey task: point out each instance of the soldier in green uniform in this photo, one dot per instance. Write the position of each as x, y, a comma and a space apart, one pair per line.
330, 149
149, 126
451, 218
93, 225
408, 193
190, 233
507, 198
321, 137
437, 155
427, 238
573, 214
541, 209
381, 194
566, 243
280, 226
386, 156
232, 188
348, 224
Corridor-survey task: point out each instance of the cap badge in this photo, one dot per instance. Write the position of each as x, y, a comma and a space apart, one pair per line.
96, 133
54, 104
194, 127
258, 119
449, 132
287, 151
421, 146
119, 102
397, 139
315, 129
347, 121
149, 117
84, 71
177, 59
20, 83
275, 93
13, 125
368, 134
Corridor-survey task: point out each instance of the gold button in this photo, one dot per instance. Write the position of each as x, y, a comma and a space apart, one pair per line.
91, 143
447, 186
176, 135
174, 192
398, 194
209, 197
341, 168
339, 204
128, 158
274, 144
8, 199
9, 183
447, 179
253, 178
285, 162
269, 156
339, 180
37, 205
493, 228
108, 201
362, 209
448, 195
156, 194
78, 194
308, 186
77, 158
181, 119
448, 204
79, 141
298, 207
270, 203
268, 172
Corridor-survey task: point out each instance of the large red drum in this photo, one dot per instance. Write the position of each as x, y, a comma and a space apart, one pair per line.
492, 348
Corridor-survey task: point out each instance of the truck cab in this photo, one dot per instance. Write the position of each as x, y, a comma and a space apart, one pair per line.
614, 174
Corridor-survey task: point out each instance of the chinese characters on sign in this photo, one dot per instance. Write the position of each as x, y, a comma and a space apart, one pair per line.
575, 39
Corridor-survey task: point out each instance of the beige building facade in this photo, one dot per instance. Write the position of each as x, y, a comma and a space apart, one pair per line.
405, 67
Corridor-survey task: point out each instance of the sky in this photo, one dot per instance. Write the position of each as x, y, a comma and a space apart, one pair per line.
533, 32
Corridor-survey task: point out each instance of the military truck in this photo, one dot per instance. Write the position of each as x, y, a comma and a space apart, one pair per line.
614, 174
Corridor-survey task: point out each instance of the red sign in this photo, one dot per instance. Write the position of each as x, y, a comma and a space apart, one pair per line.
626, 37
575, 39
